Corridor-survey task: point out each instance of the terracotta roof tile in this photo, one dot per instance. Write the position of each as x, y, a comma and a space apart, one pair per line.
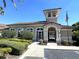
34, 23
3, 26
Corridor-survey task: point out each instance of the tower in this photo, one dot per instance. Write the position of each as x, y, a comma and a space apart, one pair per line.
51, 15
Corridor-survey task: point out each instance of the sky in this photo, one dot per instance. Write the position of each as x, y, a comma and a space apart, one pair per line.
32, 11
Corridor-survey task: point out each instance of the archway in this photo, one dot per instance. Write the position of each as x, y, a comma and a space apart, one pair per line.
39, 34
51, 34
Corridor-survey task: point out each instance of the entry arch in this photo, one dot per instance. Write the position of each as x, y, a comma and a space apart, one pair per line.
52, 34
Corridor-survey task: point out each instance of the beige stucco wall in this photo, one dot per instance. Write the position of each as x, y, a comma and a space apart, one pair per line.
66, 35
61, 34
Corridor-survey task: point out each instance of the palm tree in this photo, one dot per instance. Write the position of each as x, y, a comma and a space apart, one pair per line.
5, 4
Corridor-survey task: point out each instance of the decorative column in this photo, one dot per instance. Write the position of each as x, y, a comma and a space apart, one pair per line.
45, 34
58, 38
35, 33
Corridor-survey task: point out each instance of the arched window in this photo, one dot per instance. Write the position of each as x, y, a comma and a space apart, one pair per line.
12, 29
39, 33
20, 29
30, 29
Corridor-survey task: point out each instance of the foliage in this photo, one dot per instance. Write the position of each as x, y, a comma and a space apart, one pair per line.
17, 40
76, 34
66, 43
5, 50
26, 35
76, 26
2, 57
1, 11
14, 44
17, 45
9, 34
5, 4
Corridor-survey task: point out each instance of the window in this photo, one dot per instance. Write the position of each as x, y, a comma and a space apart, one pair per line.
30, 29
54, 13
12, 29
39, 33
49, 14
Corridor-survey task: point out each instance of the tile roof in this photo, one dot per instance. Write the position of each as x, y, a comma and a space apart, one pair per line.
2, 26
43, 23
33, 23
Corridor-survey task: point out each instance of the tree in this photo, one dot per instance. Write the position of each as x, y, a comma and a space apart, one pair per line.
76, 26
1, 11
76, 33
5, 4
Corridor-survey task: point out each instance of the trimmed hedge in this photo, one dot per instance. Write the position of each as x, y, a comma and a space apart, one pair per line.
17, 47
66, 43
17, 40
26, 35
2, 57
4, 51
9, 34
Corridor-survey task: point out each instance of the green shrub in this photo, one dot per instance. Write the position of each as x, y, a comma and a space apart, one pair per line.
2, 57
76, 38
29, 41
5, 50
9, 34
15, 51
26, 35
76, 34
17, 40
16, 46
66, 43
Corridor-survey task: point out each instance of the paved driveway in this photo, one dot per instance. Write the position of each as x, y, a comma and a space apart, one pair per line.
61, 54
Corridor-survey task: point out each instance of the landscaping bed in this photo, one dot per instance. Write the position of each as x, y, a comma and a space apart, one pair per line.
17, 45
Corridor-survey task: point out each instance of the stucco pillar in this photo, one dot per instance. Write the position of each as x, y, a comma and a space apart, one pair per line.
45, 34
34, 37
58, 38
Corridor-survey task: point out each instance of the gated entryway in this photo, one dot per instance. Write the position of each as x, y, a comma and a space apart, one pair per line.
51, 34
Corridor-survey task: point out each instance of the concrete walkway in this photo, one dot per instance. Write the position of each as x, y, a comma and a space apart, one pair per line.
36, 51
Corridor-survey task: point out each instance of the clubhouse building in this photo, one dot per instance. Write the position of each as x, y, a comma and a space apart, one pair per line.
48, 30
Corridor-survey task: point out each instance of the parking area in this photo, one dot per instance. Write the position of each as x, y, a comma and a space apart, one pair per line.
61, 54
